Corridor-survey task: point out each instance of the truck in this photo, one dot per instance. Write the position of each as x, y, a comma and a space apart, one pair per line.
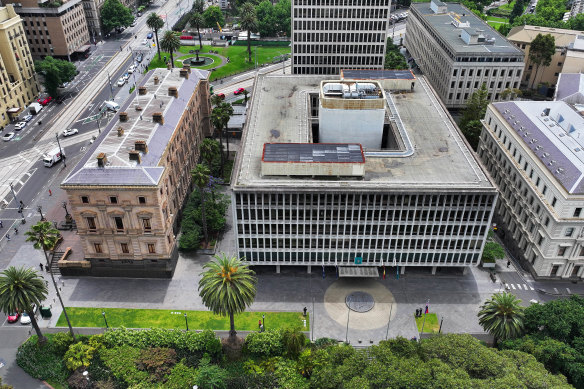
112, 105
52, 157
35, 108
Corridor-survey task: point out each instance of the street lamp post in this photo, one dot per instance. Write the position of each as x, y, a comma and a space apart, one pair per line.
40, 209
264, 321
186, 321
111, 87
347, 332
105, 319
61, 150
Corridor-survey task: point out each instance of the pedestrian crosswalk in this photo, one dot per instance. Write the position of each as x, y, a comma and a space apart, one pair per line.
518, 287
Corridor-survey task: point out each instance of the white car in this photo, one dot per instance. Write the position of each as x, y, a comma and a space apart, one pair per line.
121, 81
8, 136
24, 318
71, 131
27, 118
145, 42
19, 126
132, 69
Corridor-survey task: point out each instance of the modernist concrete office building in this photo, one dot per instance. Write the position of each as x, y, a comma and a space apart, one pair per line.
18, 83
127, 192
331, 35
535, 153
415, 197
458, 52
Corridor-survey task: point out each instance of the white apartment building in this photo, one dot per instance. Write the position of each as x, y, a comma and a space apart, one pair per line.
535, 153
415, 197
458, 52
331, 35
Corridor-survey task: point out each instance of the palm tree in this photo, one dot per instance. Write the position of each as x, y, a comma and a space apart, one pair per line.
502, 316
170, 43
197, 22
201, 178
249, 22
155, 22
20, 288
227, 287
219, 118
45, 237
209, 148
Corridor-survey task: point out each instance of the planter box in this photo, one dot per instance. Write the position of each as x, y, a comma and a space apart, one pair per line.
489, 265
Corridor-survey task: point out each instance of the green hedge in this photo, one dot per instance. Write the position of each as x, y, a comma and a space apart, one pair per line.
43, 363
263, 43
264, 344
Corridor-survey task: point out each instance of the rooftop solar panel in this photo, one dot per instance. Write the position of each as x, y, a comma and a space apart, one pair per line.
313, 152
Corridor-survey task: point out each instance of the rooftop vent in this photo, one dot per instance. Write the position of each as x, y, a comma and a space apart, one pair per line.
141, 145
545, 155
142, 90
101, 160
560, 170
552, 162
438, 7
120, 131
123, 116
172, 91
157, 117
538, 148
546, 112
134, 156
156, 80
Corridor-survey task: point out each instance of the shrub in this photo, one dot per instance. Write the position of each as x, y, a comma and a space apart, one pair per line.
263, 43
61, 342
211, 376
324, 342
264, 344
181, 377
78, 355
78, 380
43, 363
121, 363
158, 362
293, 340
190, 239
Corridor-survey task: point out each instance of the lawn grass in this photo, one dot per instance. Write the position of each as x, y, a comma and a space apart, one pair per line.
431, 324
497, 19
163, 318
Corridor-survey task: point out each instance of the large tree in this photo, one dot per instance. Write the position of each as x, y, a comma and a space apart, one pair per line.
541, 50
55, 72
213, 16
45, 237
283, 15
476, 107
249, 22
267, 23
155, 22
502, 316
227, 287
201, 177
198, 6
114, 14
220, 118
20, 289
170, 43
197, 22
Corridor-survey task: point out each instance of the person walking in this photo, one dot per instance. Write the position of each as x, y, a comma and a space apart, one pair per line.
508, 263
15, 231
8, 236
41, 265
1, 225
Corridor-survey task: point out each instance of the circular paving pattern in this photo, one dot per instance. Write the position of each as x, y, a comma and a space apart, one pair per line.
360, 301
336, 304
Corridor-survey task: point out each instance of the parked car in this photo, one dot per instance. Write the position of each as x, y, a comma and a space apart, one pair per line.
145, 42
25, 319
239, 91
13, 317
8, 136
27, 118
149, 36
122, 81
45, 101
63, 85
133, 23
139, 58
131, 69
19, 126
70, 131
222, 95
139, 14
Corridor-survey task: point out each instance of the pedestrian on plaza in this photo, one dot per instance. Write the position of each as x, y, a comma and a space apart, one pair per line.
508, 263
15, 231
41, 265
1, 225
8, 236
50, 193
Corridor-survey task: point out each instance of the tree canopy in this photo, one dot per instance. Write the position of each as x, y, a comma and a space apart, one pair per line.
155, 22
541, 50
273, 19
170, 43
476, 107
55, 72
492, 252
114, 14
502, 316
212, 16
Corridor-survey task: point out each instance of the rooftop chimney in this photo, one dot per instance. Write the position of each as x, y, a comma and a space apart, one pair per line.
120, 131
101, 160
184, 73
155, 80
142, 90
135, 156
172, 91
141, 145
157, 117
123, 116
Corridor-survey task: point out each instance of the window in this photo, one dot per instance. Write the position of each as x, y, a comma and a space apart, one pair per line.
113, 200
547, 221
540, 241
91, 223
146, 224
97, 248
555, 270
85, 199
124, 247
577, 212
569, 231
537, 182
142, 200
151, 248
554, 202
561, 251
544, 189
581, 252
119, 223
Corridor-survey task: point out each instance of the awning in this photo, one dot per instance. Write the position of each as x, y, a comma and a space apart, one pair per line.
83, 49
14, 110
359, 271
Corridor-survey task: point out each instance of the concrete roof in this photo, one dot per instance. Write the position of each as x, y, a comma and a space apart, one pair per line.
526, 34
279, 113
442, 25
139, 127
570, 84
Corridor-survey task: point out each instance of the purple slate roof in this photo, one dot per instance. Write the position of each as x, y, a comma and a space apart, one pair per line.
114, 175
563, 169
568, 84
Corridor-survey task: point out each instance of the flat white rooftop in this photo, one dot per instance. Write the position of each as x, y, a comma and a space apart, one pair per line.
279, 113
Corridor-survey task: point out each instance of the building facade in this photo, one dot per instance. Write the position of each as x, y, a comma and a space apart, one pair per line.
421, 199
328, 36
56, 28
534, 153
458, 52
522, 36
127, 193
93, 18
18, 82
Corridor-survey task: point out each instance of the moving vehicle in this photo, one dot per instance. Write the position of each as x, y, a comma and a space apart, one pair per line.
35, 108
25, 319
239, 91
131, 69
122, 81
70, 131
8, 136
27, 118
52, 157
112, 105
149, 36
13, 317
45, 101
19, 126
222, 95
